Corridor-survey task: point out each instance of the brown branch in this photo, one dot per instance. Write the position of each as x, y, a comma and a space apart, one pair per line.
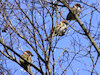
34, 28
12, 27
84, 29
90, 6
94, 65
21, 57
15, 60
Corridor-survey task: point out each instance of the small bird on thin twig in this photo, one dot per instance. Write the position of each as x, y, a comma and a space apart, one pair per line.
27, 56
59, 29
76, 9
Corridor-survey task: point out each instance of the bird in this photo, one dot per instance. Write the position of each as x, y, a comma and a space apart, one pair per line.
59, 29
76, 9
27, 56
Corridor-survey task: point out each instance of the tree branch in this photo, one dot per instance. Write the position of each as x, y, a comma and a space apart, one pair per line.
84, 29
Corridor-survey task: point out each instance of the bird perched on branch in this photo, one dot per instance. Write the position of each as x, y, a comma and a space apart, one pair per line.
59, 29
76, 9
27, 56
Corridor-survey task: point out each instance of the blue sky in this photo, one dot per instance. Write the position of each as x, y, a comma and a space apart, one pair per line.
73, 42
